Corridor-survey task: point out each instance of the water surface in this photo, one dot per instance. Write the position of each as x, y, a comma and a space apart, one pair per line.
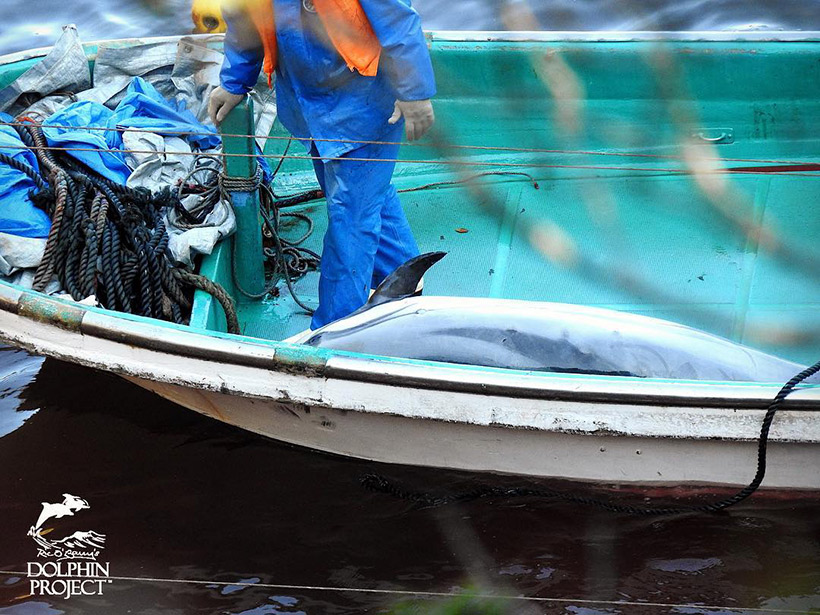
104, 19
183, 497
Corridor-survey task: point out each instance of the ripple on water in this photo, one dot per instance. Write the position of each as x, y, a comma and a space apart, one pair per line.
685, 565
17, 370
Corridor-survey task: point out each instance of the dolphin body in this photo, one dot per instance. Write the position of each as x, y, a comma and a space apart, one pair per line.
538, 336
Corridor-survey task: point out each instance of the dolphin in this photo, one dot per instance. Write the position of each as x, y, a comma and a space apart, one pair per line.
538, 336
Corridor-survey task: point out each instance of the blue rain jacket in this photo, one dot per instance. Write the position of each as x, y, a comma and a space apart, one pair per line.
317, 95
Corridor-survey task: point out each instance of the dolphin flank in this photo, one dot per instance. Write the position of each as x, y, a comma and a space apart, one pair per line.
538, 336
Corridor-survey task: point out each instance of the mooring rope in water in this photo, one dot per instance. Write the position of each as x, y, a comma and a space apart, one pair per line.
380, 484
408, 593
453, 146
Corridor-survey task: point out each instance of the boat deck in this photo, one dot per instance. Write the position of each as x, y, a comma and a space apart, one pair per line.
625, 224
661, 250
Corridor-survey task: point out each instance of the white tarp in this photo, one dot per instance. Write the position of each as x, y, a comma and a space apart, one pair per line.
65, 69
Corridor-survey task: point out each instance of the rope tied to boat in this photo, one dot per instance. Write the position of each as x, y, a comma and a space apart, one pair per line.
288, 259
229, 184
380, 484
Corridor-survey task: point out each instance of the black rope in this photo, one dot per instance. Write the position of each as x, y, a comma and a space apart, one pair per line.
381, 484
288, 260
108, 239
22, 131
202, 181
297, 199
466, 180
21, 166
281, 161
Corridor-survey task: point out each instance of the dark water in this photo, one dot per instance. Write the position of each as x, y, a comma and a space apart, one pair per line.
37, 23
180, 496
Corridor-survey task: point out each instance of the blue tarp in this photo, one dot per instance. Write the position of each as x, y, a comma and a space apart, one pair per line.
143, 107
18, 215
108, 164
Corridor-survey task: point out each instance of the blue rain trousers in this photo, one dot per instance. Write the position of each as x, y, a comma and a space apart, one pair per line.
368, 236
329, 107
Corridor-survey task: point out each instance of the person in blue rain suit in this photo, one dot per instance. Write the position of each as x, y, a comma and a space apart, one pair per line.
331, 107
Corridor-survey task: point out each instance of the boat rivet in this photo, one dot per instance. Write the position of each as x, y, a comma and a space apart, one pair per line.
637, 452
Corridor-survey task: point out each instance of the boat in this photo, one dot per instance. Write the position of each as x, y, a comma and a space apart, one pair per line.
673, 175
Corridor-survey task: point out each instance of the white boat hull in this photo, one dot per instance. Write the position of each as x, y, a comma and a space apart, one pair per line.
428, 442
609, 430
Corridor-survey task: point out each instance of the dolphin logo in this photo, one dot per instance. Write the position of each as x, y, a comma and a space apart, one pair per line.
66, 508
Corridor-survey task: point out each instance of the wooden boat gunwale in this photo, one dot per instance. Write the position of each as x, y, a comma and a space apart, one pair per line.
597, 36
141, 332
466, 36
268, 388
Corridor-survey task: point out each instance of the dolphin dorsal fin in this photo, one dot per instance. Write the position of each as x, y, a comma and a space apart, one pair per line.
403, 282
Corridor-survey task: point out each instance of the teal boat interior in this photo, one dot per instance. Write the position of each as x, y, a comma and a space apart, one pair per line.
625, 206
675, 179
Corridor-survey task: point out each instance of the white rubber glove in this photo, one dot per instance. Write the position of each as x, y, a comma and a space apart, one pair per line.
418, 117
220, 104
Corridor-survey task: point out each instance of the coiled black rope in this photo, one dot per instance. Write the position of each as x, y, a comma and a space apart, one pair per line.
203, 180
289, 258
381, 484
109, 240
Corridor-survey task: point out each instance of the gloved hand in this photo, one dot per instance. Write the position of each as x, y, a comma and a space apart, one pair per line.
418, 117
220, 104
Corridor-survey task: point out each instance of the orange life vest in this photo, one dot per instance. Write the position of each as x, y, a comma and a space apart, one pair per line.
347, 27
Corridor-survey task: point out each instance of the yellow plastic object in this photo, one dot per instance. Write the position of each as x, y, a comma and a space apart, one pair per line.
207, 16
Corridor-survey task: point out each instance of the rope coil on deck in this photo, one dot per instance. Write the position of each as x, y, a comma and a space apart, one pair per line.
219, 293
110, 240
288, 259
